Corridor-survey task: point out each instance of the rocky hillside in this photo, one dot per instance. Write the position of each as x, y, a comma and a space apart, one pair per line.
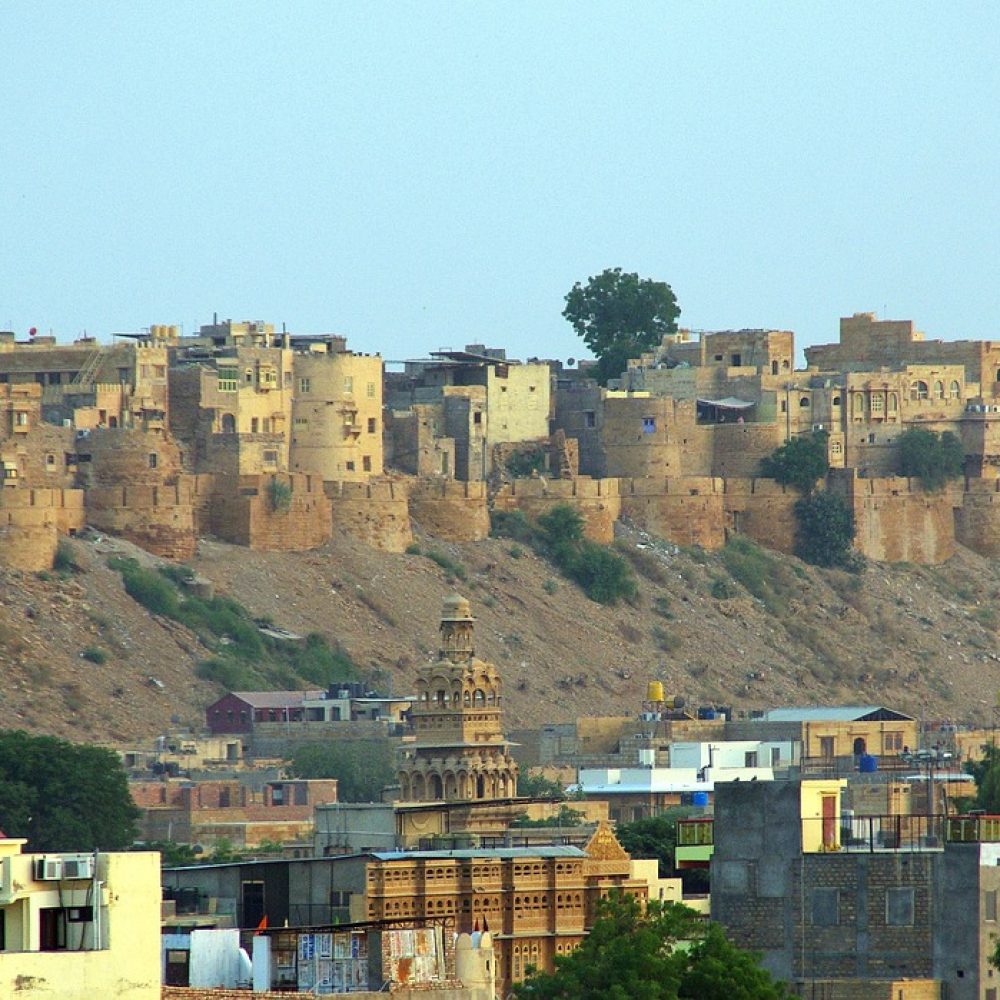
81, 659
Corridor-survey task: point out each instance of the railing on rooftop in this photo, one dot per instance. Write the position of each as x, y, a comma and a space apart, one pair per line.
698, 832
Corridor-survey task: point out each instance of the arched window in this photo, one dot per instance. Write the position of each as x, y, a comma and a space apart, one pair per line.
893, 402
858, 404
918, 390
836, 400
804, 401
228, 423
955, 391
478, 699
939, 389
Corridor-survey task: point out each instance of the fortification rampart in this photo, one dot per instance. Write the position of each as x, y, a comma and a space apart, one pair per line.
30, 522
450, 510
596, 500
685, 511
977, 516
896, 520
282, 513
763, 510
159, 518
374, 512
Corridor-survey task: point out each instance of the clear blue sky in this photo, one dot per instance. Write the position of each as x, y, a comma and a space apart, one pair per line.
430, 174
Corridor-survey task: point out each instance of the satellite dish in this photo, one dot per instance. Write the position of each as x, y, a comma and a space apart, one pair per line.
571, 361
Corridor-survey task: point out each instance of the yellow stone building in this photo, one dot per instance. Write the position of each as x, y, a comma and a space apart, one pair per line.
460, 752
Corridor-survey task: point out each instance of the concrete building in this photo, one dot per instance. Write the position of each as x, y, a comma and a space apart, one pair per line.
537, 902
483, 405
79, 926
836, 905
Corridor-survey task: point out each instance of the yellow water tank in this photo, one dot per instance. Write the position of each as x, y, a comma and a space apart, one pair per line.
654, 691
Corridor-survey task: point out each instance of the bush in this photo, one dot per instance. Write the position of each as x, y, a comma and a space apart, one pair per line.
550, 586
94, 654
933, 459
413, 549
449, 565
825, 530
511, 524
522, 464
515, 552
799, 463
65, 559
603, 576
151, 590
280, 495
722, 590
766, 578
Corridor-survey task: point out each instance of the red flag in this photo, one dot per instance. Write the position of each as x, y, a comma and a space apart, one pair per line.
262, 926
33, 331
475, 926
486, 925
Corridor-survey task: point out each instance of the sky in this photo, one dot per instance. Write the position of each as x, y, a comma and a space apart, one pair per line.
426, 175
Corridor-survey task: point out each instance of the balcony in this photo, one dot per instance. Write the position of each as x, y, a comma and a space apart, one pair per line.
695, 842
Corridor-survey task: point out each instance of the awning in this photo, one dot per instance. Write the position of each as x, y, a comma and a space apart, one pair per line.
729, 403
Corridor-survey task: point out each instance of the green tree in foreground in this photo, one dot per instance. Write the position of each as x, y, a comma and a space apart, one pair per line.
362, 767
620, 315
537, 786
662, 952
986, 774
825, 530
933, 459
799, 463
64, 796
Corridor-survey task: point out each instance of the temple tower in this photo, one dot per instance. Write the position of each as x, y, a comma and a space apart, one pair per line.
460, 753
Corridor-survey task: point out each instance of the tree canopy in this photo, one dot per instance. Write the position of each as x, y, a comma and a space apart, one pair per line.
619, 315
362, 767
825, 530
660, 952
986, 774
799, 462
932, 458
653, 837
64, 796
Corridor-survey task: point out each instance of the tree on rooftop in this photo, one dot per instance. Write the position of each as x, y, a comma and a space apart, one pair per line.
798, 463
619, 316
932, 458
662, 951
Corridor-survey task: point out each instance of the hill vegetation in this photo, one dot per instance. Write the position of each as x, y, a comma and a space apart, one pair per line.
744, 626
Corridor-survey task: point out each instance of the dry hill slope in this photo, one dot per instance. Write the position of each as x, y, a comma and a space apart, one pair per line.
922, 639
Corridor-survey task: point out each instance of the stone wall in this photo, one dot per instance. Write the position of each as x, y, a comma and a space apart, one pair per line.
896, 521
688, 511
737, 449
159, 518
596, 500
243, 512
868, 989
977, 516
29, 527
374, 512
450, 510
762, 510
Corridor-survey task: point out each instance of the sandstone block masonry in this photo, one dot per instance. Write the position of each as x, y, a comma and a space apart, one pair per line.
31, 521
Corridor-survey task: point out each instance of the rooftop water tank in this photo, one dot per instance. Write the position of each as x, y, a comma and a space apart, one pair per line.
654, 691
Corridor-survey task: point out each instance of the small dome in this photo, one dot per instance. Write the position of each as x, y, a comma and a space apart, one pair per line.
456, 609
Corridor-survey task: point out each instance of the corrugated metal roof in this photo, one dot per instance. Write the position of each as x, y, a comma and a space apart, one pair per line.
842, 713
542, 851
277, 699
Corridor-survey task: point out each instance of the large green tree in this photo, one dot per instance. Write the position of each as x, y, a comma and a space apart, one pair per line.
986, 774
659, 952
64, 796
799, 463
620, 315
932, 458
825, 530
362, 767
653, 837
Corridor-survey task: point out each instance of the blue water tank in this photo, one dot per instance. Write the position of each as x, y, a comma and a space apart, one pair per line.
699, 799
705, 712
868, 763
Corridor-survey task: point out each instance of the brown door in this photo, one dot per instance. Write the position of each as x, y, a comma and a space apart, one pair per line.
829, 820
